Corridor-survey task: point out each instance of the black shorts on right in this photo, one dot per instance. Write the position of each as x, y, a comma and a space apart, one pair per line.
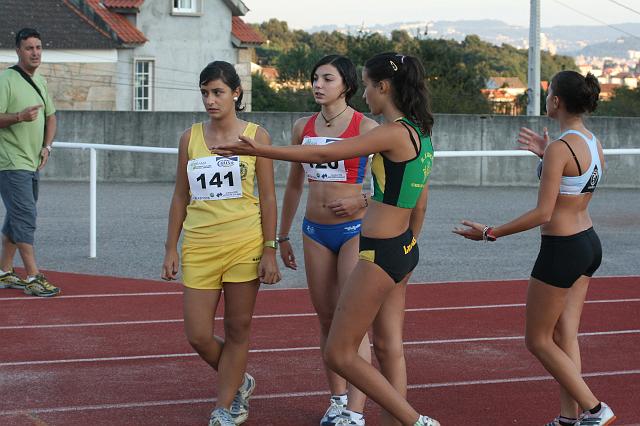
562, 260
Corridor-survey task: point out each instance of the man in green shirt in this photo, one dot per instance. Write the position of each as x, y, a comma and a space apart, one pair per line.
27, 128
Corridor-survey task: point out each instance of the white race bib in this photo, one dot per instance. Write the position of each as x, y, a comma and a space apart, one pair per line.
214, 178
334, 171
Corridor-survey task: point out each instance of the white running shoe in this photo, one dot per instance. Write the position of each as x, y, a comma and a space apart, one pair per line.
240, 405
604, 417
221, 417
348, 417
333, 414
556, 421
427, 421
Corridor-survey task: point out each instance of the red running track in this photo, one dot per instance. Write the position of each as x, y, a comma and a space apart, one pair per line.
111, 351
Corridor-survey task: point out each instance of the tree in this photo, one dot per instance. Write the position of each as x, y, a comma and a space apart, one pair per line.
625, 103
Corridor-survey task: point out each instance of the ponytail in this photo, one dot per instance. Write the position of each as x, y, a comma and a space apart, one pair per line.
407, 77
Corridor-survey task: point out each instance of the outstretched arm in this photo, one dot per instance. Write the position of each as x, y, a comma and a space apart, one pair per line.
554, 164
381, 139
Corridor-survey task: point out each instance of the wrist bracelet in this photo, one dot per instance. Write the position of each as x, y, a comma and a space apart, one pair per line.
271, 244
487, 234
366, 203
282, 239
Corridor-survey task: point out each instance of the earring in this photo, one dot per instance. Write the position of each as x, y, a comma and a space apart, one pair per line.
235, 99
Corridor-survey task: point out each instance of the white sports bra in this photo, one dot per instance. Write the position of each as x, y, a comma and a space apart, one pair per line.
587, 181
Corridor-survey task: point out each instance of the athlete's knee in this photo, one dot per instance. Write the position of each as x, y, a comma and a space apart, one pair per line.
387, 351
337, 357
536, 343
199, 340
237, 328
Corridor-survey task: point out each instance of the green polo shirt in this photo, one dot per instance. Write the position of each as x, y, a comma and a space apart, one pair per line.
21, 143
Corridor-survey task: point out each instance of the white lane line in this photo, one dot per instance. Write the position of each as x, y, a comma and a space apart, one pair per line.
295, 394
275, 316
295, 349
90, 296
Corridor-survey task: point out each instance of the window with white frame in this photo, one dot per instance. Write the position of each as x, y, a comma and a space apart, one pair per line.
185, 6
143, 85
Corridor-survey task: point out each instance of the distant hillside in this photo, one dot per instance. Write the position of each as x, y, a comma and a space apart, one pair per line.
569, 39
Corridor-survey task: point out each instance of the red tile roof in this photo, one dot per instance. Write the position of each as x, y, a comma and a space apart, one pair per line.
125, 31
123, 4
244, 32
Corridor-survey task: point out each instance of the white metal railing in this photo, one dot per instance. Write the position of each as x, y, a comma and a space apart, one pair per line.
93, 168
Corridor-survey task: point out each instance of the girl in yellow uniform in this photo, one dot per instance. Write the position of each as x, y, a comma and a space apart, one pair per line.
229, 237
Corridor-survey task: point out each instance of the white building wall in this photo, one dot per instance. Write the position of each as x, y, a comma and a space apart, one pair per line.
180, 47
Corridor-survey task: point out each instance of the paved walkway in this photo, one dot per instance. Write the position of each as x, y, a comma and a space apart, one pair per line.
132, 220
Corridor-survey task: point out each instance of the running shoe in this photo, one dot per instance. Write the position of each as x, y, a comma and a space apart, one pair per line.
565, 420
11, 280
604, 417
39, 286
348, 417
221, 417
427, 421
240, 405
336, 404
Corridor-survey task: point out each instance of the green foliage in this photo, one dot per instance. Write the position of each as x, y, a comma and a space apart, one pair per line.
264, 98
625, 103
456, 71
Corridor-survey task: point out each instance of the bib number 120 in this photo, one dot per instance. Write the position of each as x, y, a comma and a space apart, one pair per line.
333, 165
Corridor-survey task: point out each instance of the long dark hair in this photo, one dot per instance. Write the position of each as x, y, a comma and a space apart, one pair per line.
580, 94
407, 77
347, 71
221, 70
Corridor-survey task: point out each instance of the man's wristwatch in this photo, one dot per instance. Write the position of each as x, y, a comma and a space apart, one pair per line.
271, 243
49, 148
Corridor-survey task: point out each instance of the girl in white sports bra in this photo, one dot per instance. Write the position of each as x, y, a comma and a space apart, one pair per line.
570, 250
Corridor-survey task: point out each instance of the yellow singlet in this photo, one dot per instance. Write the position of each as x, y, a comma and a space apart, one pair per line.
218, 222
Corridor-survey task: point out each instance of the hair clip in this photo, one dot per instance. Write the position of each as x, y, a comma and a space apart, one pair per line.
401, 58
393, 65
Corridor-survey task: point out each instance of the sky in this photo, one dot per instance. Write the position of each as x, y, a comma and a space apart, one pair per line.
304, 14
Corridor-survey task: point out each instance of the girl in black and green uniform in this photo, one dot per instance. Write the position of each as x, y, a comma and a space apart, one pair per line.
374, 294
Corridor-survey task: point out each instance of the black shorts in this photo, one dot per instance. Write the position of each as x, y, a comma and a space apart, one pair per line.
397, 256
562, 260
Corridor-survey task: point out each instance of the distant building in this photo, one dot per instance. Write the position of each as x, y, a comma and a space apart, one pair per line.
131, 54
504, 94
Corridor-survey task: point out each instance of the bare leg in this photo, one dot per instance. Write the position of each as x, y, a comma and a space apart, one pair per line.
566, 337
8, 253
28, 258
320, 264
199, 312
387, 344
545, 305
360, 301
239, 302
347, 260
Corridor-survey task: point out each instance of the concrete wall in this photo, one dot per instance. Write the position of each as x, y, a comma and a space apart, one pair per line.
451, 132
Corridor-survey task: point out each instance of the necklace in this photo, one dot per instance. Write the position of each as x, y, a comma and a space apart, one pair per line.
328, 121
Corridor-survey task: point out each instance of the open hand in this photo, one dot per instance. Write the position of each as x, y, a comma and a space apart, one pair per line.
244, 146
532, 141
473, 230
345, 207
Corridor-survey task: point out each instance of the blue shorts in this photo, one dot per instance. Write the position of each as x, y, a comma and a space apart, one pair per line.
331, 236
19, 191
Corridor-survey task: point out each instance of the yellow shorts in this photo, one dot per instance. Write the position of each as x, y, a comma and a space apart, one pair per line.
208, 267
